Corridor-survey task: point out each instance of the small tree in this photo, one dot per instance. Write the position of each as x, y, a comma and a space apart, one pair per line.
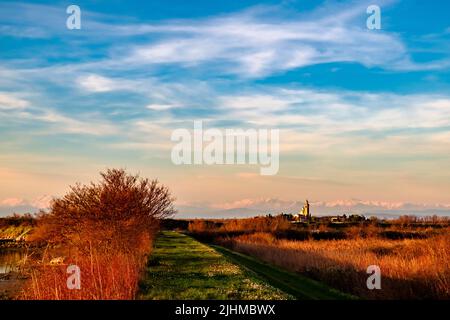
118, 213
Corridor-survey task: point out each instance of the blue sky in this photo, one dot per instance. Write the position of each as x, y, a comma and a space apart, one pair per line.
363, 114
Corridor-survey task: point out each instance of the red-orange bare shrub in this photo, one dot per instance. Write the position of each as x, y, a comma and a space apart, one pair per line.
108, 227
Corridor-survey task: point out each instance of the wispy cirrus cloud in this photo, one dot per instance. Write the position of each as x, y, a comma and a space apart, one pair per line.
18, 110
114, 91
252, 43
96, 83
11, 101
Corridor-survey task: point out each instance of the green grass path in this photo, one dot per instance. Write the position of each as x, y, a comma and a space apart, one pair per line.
298, 286
183, 268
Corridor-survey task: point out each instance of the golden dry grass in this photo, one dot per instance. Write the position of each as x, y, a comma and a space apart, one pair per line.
410, 269
102, 277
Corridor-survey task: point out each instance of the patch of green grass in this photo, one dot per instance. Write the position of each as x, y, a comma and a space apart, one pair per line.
14, 232
298, 286
183, 268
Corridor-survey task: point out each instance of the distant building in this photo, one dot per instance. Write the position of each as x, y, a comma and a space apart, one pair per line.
347, 218
304, 214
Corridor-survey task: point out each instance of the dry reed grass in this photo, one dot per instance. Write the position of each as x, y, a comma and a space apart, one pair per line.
410, 269
102, 277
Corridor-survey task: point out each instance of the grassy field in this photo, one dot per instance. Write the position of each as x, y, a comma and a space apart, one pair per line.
183, 268
411, 268
298, 286
14, 232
